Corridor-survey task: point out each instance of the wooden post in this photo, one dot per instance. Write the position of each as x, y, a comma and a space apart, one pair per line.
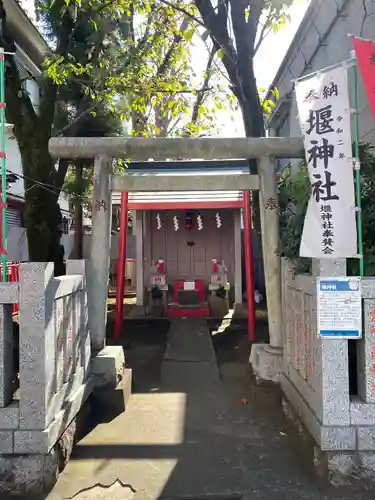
121, 265
249, 267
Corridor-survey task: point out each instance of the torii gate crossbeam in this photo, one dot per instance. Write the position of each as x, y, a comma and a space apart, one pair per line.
264, 150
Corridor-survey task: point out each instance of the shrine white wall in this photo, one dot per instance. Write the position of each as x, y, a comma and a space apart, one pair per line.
187, 253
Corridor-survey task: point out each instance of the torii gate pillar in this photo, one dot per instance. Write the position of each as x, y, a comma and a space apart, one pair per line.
98, 265
266, 360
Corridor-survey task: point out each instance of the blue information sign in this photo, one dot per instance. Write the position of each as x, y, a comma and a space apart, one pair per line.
339, 308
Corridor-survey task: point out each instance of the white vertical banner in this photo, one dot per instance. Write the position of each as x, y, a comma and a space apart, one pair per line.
330, 229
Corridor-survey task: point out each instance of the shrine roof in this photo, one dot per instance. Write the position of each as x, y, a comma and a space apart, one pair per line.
185, 199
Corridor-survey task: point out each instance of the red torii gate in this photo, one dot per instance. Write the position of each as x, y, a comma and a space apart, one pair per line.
249, 261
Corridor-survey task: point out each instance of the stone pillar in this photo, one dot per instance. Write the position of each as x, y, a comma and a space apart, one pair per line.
328, 267
98, 269
7, 369
366, 346
269, 217
331, 361
37, 344
267, 360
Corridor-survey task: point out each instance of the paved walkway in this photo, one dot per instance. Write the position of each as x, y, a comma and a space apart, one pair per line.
191, 436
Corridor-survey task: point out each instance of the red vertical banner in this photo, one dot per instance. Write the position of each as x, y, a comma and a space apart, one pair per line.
365, 52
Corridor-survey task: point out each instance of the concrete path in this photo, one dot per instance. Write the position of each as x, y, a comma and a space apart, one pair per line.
192, 436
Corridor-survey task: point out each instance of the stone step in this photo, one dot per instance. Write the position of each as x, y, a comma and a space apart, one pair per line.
112, 401
181, 311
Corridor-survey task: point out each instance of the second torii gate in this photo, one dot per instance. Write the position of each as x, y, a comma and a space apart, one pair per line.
264, 150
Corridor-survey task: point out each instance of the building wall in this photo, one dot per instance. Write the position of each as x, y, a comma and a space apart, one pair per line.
324, 42
26, 68
17, 250
14, 163
188, 254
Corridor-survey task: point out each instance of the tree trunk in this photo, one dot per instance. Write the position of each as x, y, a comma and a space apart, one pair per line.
245, 88
253, 124
42, 212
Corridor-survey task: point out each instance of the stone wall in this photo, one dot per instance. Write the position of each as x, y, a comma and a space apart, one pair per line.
54, 357
316, 373
315, 378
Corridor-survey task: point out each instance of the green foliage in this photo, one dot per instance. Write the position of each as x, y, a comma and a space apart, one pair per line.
276, 12
294, 194
247, 13
139, 50
136, 49
103, 123
281, 22
80, 194
268, 101
99, 50
368, 213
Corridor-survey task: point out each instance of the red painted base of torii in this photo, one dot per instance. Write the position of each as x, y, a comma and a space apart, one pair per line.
245, 204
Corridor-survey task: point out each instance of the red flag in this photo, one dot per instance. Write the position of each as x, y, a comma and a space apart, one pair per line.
365, 51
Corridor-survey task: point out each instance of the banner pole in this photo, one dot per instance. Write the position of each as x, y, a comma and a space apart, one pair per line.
358, 171
3, 170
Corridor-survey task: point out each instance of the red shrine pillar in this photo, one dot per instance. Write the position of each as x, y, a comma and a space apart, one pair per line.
121, 263
249, 266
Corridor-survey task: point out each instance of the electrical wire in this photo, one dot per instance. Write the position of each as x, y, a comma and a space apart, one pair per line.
51, 188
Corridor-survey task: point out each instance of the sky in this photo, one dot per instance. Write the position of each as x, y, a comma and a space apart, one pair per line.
29, 7
266, 63
274, 48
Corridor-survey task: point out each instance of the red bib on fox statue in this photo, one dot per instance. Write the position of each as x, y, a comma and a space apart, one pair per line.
160, 266
215, 267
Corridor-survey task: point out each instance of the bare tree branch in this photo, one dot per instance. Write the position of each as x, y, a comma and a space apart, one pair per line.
174, 126
218, 28
183, 11
176, 40
200, 95
61, 173
219, 70
50, 90
365, 16
64, 130
140, 46
265, 31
